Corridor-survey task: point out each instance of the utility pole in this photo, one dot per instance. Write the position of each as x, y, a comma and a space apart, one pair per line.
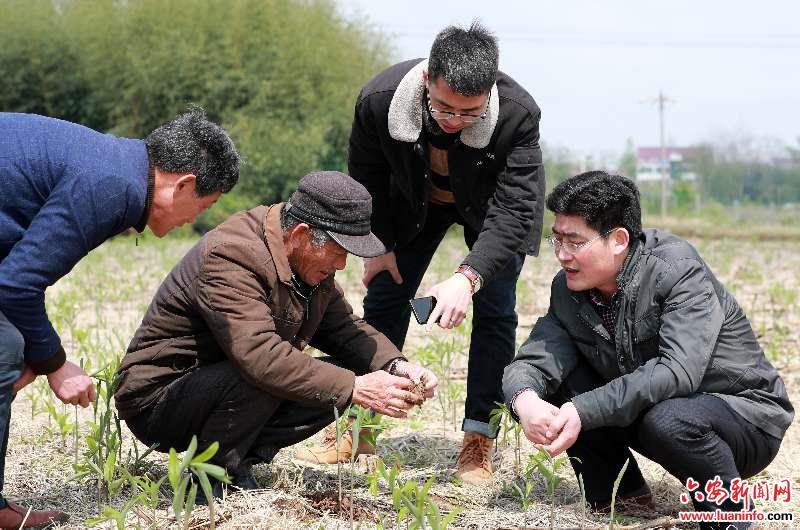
662, 100
664, 174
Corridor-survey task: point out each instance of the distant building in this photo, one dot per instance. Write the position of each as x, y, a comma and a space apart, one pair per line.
648, 163
786, 162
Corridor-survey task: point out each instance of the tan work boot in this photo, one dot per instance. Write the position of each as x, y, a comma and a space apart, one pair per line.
325, 452
475, 459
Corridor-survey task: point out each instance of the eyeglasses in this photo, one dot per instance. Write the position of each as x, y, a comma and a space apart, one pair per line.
569, 247
441, 115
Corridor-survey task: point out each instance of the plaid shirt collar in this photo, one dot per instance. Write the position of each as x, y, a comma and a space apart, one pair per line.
606, 309
598, 300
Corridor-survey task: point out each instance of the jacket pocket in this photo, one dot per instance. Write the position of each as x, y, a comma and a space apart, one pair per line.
646, 326
286, 328
587, 348
603, 364
645, 336
182, 363
728, 378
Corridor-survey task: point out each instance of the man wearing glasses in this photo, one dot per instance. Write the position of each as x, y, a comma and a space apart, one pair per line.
450, 140
642, 348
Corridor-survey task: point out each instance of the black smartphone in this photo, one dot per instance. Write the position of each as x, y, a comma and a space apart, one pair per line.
422, 308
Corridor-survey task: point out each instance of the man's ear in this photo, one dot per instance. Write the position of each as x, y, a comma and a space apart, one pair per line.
186, 183
299, 233
622, 240
425, 75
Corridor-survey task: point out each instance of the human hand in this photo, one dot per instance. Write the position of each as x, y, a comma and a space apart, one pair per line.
416, 372
386, 262
452, 300
536, 417
71, 385
385, 393
568, 426
27, 377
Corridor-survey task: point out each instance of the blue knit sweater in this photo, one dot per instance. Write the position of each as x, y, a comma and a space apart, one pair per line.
64, 189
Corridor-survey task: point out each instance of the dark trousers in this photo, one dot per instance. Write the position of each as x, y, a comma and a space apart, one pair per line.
494, 318
215, 403
697, 436
12, 347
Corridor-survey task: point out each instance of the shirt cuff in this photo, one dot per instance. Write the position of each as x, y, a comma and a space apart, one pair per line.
516, 395
49, 365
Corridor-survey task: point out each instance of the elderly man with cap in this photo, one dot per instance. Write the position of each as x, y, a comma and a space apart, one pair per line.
219, 353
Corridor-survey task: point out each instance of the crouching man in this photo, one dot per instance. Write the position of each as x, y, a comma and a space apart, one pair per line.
642, 348
219, 353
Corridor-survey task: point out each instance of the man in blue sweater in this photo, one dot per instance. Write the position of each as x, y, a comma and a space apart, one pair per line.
66, 189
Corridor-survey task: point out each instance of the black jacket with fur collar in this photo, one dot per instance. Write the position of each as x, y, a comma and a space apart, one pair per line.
495, 166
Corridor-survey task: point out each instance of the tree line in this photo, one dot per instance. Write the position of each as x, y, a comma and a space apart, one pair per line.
280, 75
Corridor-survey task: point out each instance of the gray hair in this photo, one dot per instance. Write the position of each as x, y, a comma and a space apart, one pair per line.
191, 144
318, 236
466, 59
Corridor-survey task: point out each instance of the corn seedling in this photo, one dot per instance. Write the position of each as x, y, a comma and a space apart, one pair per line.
522, 490
341, 422
36, 396
180, 473
63, 424
438, 356
145, 492
501, 420
455, 395
355, 431
410, 499
614, 492
103, 455
109, 514
549, 468
102, 443
371, 424
583, 499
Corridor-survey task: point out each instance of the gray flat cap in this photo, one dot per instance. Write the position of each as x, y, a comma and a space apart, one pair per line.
336, 203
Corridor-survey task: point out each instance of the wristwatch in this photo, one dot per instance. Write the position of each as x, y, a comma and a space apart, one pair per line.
392, 367
474, 278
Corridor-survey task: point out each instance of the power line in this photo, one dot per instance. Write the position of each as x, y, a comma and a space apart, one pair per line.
641, 43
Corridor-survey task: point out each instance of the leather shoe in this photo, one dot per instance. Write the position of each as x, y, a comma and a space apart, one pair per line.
634, 505
12, 515
244, 479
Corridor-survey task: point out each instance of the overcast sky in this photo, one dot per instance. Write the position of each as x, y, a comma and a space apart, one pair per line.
730, 66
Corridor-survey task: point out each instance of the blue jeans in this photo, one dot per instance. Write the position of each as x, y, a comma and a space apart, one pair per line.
494, 318
12, 347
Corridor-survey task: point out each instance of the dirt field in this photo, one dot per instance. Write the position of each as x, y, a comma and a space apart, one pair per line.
99, 305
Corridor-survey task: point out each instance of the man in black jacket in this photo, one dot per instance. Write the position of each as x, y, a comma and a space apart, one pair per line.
642, 347
443, 141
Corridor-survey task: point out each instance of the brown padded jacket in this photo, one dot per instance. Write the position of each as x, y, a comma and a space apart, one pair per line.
231, 298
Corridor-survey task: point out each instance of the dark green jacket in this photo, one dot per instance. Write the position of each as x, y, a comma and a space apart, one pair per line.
678, 332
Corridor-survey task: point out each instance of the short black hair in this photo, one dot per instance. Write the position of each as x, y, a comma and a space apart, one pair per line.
604, 200
465, 59
191, 144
